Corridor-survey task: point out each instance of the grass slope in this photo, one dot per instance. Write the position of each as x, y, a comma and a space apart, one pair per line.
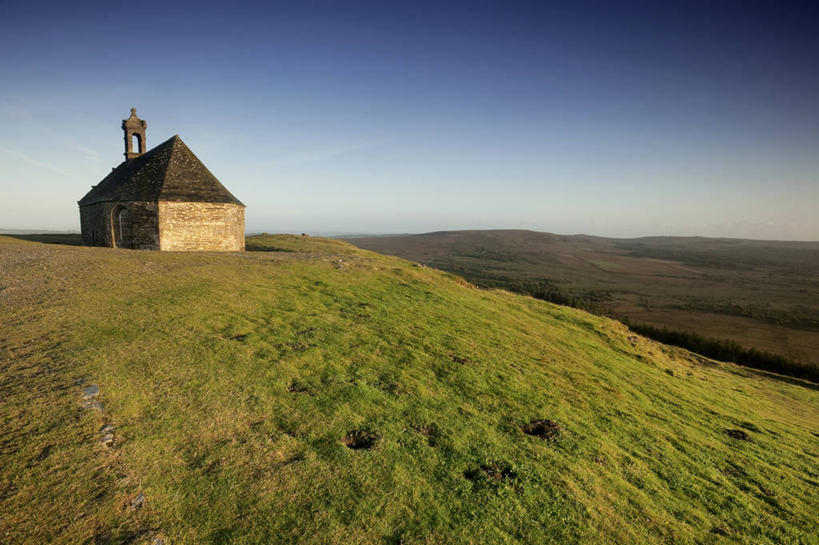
760, 294
231, 381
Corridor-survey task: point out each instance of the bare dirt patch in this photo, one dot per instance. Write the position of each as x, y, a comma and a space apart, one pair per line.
737, 434
491, 473
297, 387
43, 454
430, 431
360, 439
544, 429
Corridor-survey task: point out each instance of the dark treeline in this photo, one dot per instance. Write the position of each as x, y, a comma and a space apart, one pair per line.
725, 350
547, 290
718, 349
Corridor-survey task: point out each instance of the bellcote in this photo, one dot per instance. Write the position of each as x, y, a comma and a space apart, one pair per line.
134, 128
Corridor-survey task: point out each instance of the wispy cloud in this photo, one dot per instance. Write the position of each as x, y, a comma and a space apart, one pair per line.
31, 161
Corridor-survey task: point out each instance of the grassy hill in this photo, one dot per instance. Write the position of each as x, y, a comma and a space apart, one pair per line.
761, 294
318, 393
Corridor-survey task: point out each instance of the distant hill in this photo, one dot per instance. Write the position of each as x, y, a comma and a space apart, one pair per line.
35, 232
310, 392
761, 294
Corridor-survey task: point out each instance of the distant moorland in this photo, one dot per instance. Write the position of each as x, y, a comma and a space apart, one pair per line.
759, 295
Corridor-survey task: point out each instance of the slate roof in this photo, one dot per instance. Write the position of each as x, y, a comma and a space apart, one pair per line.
168, 172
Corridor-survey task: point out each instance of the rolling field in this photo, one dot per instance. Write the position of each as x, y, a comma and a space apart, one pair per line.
760, 294
313, 392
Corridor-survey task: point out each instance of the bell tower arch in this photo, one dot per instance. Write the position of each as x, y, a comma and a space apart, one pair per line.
134, 128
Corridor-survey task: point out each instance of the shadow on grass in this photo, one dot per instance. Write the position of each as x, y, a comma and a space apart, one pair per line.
796, 381
71, 239
251, 247
75, 239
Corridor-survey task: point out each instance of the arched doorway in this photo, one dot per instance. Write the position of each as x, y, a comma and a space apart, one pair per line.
120, 227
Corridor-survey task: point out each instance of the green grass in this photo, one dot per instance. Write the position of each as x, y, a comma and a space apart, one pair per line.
232, 379
763, 295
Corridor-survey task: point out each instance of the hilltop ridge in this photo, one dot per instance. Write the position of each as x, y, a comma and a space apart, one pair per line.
313, 392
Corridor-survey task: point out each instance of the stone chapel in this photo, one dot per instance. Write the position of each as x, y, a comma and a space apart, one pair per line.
162, 199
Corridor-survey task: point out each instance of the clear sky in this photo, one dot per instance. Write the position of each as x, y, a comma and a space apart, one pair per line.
609, 118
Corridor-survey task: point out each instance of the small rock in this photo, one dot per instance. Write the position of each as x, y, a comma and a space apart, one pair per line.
91, 404
90, 391
157, 541
137, 502
108, 440
106, 429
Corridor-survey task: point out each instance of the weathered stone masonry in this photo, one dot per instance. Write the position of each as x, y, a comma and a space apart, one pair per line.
163, 199
201, 226
121, 225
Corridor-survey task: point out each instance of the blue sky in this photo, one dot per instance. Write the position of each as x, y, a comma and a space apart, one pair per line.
606, 118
